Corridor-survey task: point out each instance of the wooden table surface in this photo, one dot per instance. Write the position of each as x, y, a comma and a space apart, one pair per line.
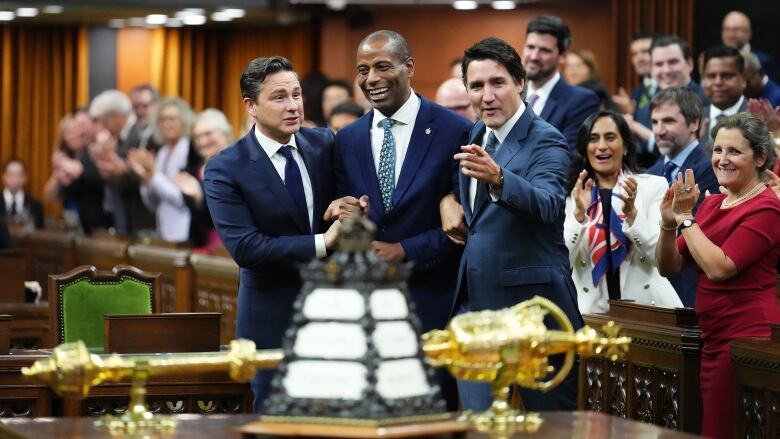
558, 425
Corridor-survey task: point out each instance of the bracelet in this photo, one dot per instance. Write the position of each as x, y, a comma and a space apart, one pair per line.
668, 229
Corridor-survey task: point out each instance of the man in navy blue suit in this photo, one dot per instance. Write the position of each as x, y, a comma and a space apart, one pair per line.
267, 194
759, 84
397, 160
562, 105
512, 190
676, 115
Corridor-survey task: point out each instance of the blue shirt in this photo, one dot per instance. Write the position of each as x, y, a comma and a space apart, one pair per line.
680, 158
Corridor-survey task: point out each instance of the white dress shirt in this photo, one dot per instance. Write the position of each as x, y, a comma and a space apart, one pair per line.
501, 133
543, 93
11, 199
404, 119
165, 198
271, 148
732, 110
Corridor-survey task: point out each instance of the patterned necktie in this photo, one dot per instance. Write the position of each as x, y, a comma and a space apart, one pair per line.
294, 183
386, 172
669, 168
490, 144
532, 100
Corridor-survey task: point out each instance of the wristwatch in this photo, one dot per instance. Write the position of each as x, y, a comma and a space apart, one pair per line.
684, 225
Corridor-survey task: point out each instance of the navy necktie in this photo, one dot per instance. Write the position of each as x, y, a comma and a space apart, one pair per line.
294, 183
669, 168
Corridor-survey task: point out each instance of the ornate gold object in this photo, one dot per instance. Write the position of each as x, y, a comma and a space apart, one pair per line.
72, 371
512, 346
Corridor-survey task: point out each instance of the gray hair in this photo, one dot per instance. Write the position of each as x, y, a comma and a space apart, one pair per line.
752, 62
110, 101
757, 134
219, 120
185, 113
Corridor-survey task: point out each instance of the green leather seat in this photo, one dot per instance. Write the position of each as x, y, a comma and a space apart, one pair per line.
80, 298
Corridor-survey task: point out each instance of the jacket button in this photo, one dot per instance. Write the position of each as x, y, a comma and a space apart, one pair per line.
582, 262
642, 259
585, 289
647, 286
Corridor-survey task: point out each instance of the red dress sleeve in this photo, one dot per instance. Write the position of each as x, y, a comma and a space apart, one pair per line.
753, 238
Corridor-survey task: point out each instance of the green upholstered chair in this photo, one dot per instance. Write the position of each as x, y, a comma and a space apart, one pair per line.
80, 298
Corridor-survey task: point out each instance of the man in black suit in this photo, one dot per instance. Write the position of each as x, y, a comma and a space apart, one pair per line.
17, 205
736, 31
561, 105
676, 115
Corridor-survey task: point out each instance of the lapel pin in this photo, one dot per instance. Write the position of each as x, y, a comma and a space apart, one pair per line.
427, 131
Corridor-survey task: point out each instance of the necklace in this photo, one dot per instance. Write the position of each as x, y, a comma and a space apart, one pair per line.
744, 197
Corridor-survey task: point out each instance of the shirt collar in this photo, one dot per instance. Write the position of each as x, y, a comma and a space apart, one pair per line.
503, 131
18, 198
681, 156
546, 89
732, 110
269, 145
405, 115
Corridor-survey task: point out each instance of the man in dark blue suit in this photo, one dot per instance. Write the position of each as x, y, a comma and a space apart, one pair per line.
736, 31
676, 115
512, 190
267, 194
759, 84
400, 172
562, 105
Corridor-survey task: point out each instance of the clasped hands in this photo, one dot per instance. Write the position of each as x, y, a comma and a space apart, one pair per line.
346, 207
581, 196
679, 200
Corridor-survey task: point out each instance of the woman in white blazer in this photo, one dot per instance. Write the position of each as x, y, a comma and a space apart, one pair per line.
612, 218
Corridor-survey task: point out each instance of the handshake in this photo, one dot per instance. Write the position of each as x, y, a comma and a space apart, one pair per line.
345, 207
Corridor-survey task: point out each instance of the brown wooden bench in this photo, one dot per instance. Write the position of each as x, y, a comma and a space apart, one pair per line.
216, 290
176, 274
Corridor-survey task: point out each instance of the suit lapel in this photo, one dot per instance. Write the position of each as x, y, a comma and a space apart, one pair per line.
419, 144
365, 159
267, 173
309, 154
552, 102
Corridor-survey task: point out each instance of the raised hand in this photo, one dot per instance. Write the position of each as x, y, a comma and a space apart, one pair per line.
630, 187
581, 195
476, 163
686, 192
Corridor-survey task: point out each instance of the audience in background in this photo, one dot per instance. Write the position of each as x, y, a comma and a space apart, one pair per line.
582, 69
724, 81
144, 99
19, 207
173, 125
759, 85
453, 95
611, 220
334, 93
344, 114
736, 31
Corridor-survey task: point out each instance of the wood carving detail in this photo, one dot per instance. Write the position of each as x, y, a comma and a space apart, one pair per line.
594, 372
752, 405
617, 374
643, 393
669, 396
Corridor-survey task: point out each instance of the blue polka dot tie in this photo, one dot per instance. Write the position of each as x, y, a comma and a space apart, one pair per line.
386, 172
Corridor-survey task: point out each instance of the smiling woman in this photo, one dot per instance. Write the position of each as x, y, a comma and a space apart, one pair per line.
610, 220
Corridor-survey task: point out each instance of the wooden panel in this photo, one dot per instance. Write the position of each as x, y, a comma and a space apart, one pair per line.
51, 252
102, 252
30, 324
757, 375
176, 274
13, 269
175, 332
216, 290
659, 380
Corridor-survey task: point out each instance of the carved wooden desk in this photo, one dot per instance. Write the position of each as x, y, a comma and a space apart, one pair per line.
558, 425
203, 393
658, 382
30, 324
757, 375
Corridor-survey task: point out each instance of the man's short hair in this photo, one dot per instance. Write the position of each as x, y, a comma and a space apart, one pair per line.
110, 101
256, 72
340, 83
670, 40
398, 43
685, 99
725, 52
499, 51
552, 25
148, 88
13, 160
645, 34
347, 107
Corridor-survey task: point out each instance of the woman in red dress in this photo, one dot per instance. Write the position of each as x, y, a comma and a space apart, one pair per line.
734, 242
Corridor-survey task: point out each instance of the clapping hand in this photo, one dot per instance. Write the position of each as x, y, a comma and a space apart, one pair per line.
630, 187
581, 195
686, 192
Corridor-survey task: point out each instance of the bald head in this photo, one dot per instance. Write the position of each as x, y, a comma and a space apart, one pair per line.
394, 43
736, 31
453, 95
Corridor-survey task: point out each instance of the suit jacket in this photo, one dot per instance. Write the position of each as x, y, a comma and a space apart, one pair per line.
515, 247
32, 206
686, 281
428, 173
707, 126
567, 107
639, 277
771, 92
85, 196
261, 228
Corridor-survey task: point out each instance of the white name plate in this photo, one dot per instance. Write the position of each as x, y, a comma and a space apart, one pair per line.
325, 379
334, 304
395, 339
401, 379
388, 304
331, 340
